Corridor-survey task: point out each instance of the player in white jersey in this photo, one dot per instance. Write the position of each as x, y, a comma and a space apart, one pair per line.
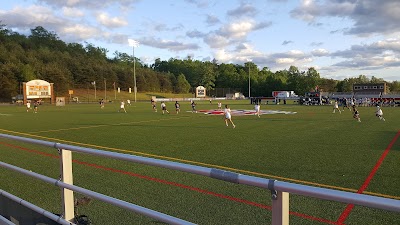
379, 113
219, 106
336, 107
164, 108
28, 106
257, 109
228, 116
122, 107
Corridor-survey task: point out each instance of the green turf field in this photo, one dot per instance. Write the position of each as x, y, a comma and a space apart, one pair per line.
313, 147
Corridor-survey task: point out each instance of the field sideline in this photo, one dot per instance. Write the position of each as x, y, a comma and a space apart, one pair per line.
313, 147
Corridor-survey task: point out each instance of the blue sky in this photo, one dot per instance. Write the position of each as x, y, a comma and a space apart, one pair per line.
340, 38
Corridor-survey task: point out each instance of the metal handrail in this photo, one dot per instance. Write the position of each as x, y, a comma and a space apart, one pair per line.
35, 208
122, 204
5, 221
273, 185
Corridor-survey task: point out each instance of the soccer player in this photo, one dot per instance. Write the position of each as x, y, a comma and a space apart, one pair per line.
128, 102
177, 107
345, 104
379, 113
102, 104
257, 109
35, 106
336, 107
28, 106
228, 116
122, 106
164, 108
356, 114
193, 107
219, 106
153, 105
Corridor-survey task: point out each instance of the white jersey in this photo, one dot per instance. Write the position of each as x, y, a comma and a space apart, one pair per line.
379, 112
227, 113
336, 105
257, 108
122, 105
163, 105
28, 105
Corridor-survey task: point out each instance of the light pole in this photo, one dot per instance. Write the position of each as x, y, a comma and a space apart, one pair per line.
134, 44
248, 62
94, 84
105, 90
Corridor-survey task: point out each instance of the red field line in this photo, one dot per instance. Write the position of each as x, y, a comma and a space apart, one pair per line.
239, 200
346, 212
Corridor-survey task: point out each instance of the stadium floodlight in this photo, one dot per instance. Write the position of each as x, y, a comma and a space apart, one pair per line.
134, 44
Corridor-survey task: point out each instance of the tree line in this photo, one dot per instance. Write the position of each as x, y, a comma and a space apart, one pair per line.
42, 55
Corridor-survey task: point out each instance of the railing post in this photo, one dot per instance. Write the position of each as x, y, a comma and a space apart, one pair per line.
280, 208
280, 205
66, 177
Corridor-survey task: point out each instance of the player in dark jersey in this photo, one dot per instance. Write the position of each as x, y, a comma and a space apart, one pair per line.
194, 107
345, 103
356, 114
153, 105
177, 107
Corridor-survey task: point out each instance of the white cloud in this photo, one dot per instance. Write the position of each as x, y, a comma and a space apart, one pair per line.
309, 10
81, 32
243, 9
200, 4
286, 42
88, 4
370, 50
241, 29
195, 34
72, 12
383, 54
170, 45
285, 61
368, 16
110, 22
68, 30
237, 30
222, 56
216, 41
30, 17
212, 20
320, 52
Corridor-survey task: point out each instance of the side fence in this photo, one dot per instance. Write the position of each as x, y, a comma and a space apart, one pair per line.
279, 190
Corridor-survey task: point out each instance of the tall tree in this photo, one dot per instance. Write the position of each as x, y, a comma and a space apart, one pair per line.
182, 85
394, 87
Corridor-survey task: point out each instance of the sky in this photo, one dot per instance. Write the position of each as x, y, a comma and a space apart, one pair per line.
339, 38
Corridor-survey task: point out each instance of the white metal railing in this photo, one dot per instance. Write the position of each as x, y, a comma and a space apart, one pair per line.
4, 221
280, 190
122, 204
33, 207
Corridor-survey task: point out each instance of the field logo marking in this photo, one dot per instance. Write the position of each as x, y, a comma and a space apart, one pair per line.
244, 112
